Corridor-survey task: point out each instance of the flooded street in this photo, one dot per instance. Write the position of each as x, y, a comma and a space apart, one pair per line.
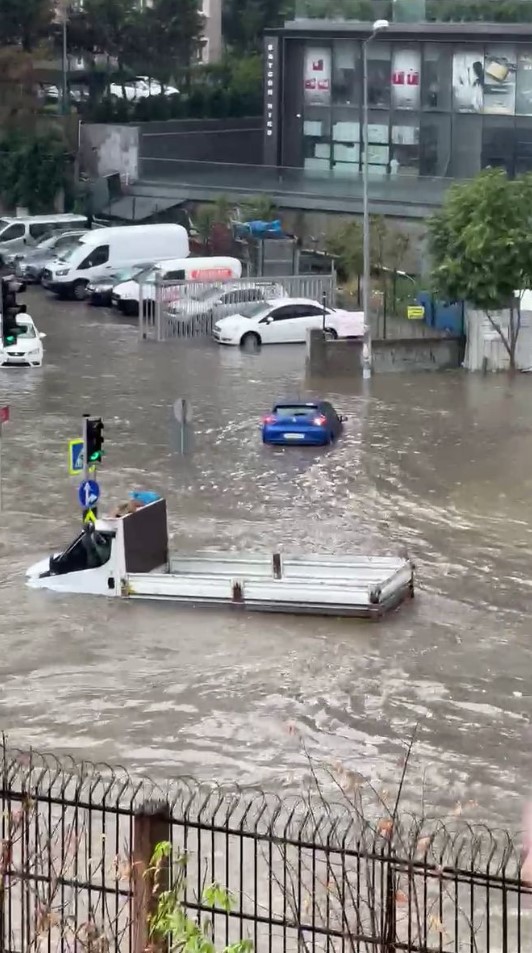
439, 464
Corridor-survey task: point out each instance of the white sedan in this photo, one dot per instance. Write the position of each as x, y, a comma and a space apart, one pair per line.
286, 321
25, 348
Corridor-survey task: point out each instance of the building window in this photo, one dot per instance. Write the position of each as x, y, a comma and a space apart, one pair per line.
466, 147
500, 68
468, 81
406, 76
436, 77
317, 76
317, 139
435, 146
379, 55
346, 151
498, 143
523, 87
347, 73
404, 149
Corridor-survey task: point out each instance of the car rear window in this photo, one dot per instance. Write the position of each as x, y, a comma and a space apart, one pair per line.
295, 410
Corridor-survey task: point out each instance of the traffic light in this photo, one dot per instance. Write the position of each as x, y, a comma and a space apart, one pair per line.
94, 440
10, 288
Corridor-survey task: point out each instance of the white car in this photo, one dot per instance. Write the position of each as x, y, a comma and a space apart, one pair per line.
222, 300
286, 321
26, 348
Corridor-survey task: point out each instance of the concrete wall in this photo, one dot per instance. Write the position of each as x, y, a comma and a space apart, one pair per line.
344, 358
165, 145
106, 148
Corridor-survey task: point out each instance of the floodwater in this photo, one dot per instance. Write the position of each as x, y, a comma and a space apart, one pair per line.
438, 464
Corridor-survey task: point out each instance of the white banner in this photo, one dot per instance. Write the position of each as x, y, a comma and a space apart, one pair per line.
317, 76
406, 71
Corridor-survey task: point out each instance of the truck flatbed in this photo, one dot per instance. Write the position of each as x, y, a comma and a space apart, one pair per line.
134, 563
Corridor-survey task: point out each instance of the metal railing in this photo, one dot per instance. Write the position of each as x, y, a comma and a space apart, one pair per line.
305, 875
189, 309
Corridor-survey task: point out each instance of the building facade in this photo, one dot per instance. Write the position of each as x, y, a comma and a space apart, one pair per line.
445, 99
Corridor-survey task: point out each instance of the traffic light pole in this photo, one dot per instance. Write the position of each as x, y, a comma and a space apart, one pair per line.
86, 468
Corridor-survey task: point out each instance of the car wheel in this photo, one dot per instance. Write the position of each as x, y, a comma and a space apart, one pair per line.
331, 334
130, 309
79, 290
250, 339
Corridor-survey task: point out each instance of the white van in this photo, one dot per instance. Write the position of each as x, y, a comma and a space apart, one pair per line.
109, 248
126, 296
29, 229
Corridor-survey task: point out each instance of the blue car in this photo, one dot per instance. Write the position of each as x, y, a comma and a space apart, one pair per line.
307, 423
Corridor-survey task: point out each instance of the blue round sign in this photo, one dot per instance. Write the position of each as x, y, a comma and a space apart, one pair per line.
88, 493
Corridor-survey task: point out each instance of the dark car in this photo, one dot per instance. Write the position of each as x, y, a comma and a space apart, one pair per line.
307, 423
100, 290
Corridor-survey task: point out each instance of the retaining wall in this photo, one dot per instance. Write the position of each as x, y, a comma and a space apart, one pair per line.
344, 358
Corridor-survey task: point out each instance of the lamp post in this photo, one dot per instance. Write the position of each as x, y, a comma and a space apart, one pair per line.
378, 26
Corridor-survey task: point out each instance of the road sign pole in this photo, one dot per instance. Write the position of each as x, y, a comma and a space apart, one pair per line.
85, 454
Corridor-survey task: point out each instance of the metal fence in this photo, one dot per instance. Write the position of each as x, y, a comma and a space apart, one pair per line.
189, 309
305, 875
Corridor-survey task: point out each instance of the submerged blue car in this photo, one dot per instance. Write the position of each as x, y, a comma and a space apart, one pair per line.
307, 423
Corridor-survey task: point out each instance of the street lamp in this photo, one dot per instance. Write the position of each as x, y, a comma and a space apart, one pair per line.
378, 26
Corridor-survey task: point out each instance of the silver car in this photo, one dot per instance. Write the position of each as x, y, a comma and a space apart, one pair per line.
30, 263
219, 301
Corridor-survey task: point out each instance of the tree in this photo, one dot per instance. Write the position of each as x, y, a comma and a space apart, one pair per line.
173, 37
25, 23
260, 207
244, 21
481, 249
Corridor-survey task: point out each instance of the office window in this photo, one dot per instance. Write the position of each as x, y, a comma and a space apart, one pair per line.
435, 145
346, 152
523, 146
500, 69
379, 74
317, 138
498, 143
317, 76
523, 86
347, 73
406, 77
468, 80
466, 146
436, 77
404, 148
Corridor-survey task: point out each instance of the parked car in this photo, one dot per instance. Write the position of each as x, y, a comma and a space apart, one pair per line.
307, 423
285, 321
219, 301
100, 290
30, 264
26, 347
174, 271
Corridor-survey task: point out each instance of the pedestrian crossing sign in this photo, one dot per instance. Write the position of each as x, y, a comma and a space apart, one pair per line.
75, 456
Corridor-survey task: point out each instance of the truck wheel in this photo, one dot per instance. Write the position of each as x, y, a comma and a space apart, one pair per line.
79, 290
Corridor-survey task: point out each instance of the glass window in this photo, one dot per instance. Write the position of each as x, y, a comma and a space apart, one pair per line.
174, 275
98, 256
435, 145
378, 143
317, 76
466, 147
468, 81
38, 231
346, 141
406, 74
523, 86
523, 146
498, 143
347, 74
500, 69
317, 138
436, 77
26, 330
379, 74
404, 151
13, 231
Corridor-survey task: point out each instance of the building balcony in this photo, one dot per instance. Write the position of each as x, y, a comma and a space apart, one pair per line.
416, 11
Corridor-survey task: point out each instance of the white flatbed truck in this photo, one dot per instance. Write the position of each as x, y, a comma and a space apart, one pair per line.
128, 557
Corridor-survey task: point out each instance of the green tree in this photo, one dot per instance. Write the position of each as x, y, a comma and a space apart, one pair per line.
171, 925
244, 21
25, 23
481, 249
260, 207
33, 169
173, 37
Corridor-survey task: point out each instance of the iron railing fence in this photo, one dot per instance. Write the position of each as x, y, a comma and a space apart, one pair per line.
306, 875
189, 309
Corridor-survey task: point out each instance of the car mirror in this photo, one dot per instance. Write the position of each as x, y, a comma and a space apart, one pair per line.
42, 334
269, 320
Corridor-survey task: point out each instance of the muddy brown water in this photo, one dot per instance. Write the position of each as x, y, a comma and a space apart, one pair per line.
438, 464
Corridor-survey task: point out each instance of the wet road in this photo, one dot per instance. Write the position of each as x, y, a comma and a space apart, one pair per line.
439, 464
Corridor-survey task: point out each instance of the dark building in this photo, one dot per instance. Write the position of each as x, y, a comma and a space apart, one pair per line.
445, 100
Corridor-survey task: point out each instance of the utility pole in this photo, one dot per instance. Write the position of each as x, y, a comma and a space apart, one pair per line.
366, 290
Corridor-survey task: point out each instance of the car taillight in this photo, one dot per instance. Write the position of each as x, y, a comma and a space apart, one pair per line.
320, 421
268, 419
